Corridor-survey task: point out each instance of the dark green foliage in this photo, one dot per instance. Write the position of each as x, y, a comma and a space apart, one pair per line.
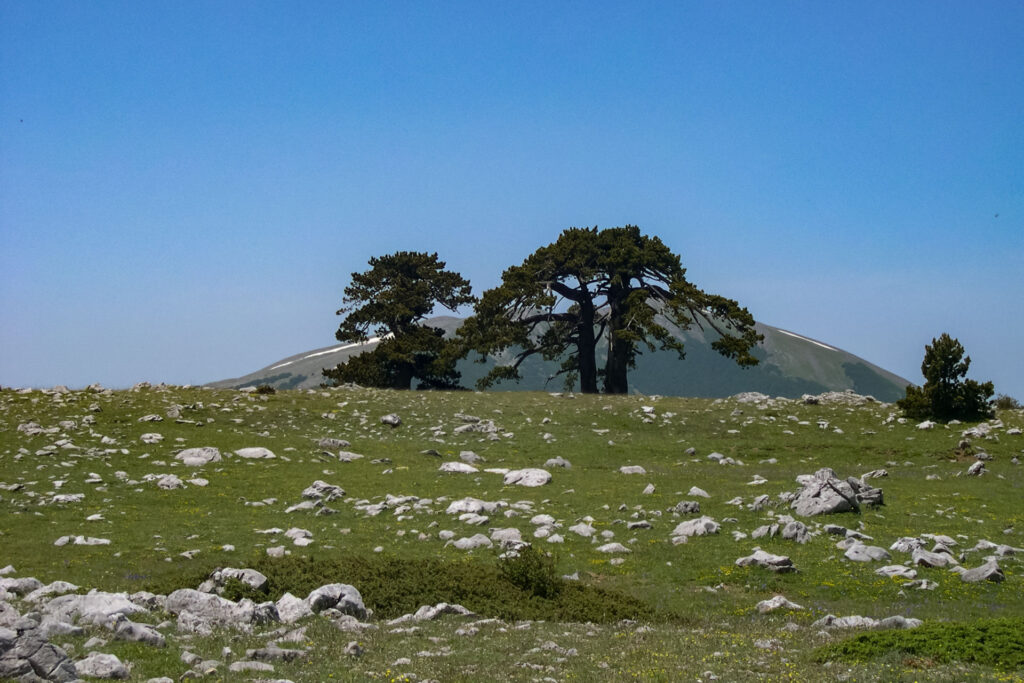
946, 394
393, 586
615, 287
265, 389
531, 571
391, 300
236, 590
1004, 402
421, 353
998, 643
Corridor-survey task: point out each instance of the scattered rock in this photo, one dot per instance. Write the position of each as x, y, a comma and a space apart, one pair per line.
779, 564
530, 476
778, 602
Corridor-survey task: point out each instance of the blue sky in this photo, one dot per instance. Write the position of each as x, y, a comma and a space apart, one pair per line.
185, 187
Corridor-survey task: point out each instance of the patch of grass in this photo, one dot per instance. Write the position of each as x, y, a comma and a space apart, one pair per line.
524, 588
998, 643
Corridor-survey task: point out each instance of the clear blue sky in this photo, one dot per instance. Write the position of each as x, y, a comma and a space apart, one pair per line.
185, 187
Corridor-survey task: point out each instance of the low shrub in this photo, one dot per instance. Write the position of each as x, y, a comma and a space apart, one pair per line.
532, 572
523, 588
1004, 402
998, 643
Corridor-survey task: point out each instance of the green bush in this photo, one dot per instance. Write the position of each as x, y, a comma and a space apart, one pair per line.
265, 389
532, 572
998, 643
525, 588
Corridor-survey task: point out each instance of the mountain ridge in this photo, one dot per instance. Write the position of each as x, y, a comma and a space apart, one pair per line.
791, 365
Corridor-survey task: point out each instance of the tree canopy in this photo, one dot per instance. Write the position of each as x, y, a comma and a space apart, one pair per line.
392, 299
947, 394
615, 287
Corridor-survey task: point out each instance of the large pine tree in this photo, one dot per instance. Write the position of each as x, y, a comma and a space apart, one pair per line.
615, 287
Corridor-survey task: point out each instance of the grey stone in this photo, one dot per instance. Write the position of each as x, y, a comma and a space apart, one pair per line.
531, 476
824, 493
686, 507
701, 526
923, 558
775, 603
866, 553
989, 571
340, 596
776, 563
255, 453
198, 457
291, 608
96, 607
100, 665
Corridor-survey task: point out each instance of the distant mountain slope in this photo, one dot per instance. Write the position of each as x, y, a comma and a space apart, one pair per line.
791, 365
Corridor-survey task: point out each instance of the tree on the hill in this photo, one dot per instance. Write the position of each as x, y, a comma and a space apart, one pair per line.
615, 287
392, 299
946, 394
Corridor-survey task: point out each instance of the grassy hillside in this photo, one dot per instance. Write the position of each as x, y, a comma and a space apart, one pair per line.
693, 609
790, 366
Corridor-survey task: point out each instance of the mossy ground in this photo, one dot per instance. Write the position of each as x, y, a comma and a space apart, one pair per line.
700, 606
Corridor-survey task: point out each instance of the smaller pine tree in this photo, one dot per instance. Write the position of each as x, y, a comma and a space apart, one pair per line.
947, 394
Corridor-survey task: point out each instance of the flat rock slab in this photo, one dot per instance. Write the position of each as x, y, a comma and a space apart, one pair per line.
198, 457
255, 453
776, 603
989, 571
531, 476
775, 563
702, 526
457, 467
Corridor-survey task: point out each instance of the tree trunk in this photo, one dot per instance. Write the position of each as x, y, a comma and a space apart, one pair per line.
402, 378
586, 348
617, 365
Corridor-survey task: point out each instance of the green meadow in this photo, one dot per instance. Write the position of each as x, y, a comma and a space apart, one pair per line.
661, 611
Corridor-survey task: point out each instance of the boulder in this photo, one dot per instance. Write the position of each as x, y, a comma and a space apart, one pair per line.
431, 612
531, 476
291, 608
255, 453
613, 548
558, 461
210, 609
471, 542
686, 507
340, 596
457, 467
897, 571
321, 490
778, 602
392, 420
824, 493
779, 564
989, 571
219, 577
198, 457
859, 552
95, 607
696, 527
924, 558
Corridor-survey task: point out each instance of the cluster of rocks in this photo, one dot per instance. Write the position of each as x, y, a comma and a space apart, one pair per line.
27, 655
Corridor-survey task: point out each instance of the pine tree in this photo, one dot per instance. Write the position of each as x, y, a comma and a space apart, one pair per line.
614, 287
392, 299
